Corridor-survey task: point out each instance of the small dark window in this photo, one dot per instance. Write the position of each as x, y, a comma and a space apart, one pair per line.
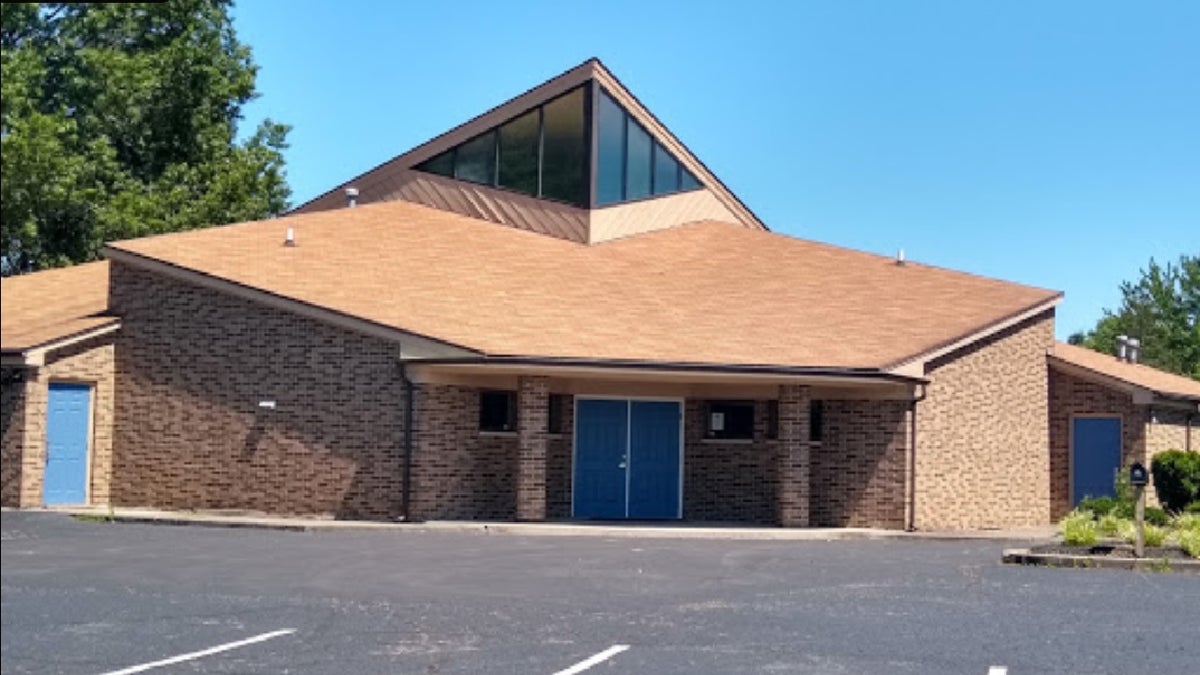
557, 413
666, 172
475, 160
519, 154
687, 181
730, 420
442, 165
564, 148
497, 411
773, 418
816, 421
637, 157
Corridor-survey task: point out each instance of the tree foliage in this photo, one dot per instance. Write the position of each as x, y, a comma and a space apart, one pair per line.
1162, 309
121, 120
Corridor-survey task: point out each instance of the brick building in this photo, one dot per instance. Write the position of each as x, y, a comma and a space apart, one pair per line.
552, 311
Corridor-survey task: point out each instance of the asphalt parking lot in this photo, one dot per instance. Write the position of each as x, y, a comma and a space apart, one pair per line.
90, 598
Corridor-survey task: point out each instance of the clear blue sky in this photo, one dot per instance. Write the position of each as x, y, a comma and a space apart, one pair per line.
1052, 143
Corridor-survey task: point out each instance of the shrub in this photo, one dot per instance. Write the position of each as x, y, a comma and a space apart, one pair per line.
1176, 478
1189, 541
1154, 536
1156, 516
1079, 529
1151, 535
1188, 522
1101, 506
1194, 507
1109, 526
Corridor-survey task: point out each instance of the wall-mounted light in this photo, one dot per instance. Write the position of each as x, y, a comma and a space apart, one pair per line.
266, 405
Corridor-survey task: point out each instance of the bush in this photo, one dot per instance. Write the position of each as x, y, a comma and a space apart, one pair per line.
1157, 517
1151, 535
1109, 526
1194, 507
1101, 506
1079, 529
1188, 522
1176, 478
1189, 541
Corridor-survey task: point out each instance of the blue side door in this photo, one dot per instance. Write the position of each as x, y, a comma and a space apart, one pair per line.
601, 435
67, 411
1096, 456
654, 460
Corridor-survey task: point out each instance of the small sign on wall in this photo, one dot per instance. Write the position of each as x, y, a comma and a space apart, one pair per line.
718, 422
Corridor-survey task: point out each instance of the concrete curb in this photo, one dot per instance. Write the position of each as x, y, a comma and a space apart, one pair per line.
1024, 556
636, 531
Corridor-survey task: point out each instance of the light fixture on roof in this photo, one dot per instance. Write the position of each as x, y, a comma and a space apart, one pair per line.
351, 197
289, 237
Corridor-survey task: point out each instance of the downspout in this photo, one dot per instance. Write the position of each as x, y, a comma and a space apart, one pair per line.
406, 478
912, 460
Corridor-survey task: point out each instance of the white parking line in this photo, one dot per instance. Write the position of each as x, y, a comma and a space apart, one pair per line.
203, 652
593, 660
998, 670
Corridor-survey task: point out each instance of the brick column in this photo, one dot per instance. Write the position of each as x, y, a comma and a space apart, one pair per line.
533, 412
794, 457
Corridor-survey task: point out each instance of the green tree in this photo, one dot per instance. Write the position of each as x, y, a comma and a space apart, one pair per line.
1162, 310
121, 120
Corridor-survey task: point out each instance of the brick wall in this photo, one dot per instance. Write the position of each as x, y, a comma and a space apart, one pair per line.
559, 451
982, 440
859, 469
729, 481
24, 412
1071, 396
194, 363
1168, 430
459, 473
12, 434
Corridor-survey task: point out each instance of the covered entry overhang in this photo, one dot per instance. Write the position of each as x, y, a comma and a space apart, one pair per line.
637, 447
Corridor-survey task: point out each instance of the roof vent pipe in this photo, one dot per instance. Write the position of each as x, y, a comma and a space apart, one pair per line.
289, 237
1135, 349
1122, 347
351, 197
900, 257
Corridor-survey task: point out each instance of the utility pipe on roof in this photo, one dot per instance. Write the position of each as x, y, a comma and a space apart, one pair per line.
912, 460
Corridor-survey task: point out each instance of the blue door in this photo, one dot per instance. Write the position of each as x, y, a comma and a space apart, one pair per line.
1096, 456
654, 459
601, 461
67, 412
627, 462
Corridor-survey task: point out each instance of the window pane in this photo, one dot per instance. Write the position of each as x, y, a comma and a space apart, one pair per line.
816, 421
687, 181
519, 154
564, 148
442, 165
497, 410
476, 160
666, 171
731, 419
610, 151
637, 164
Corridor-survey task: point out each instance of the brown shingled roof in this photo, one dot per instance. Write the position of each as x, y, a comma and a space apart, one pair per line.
706, 293
1137, 374
51, 305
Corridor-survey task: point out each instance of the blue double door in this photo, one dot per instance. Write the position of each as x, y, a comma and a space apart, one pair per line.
1095, 457
628, 459
68, 430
